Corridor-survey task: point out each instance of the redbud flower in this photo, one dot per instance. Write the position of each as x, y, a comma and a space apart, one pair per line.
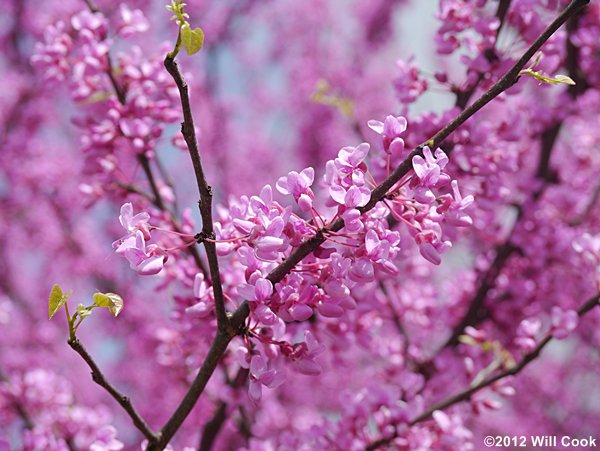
563, 322
390, 132
298, 185
131, 222
145, 262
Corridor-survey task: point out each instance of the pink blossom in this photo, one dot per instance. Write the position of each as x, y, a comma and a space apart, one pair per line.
133, 21
563, 322
390, 131
145, 261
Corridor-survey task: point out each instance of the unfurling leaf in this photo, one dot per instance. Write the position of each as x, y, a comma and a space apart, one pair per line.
192, 40
558, 79
564, 79
112, 301
56, 300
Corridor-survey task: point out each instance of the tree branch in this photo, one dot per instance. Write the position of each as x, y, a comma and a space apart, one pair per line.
476, 312
123, 400
466, 394
205, 191
526, 360
213, 426
158, 200
463, 97
217, 349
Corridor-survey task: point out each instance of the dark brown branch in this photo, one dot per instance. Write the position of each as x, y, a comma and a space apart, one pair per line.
588, 209
466, 394
205, 191
476, 311
213, 426
217, 349
463, 97
145, 163
92, 6
123, 400
119, 91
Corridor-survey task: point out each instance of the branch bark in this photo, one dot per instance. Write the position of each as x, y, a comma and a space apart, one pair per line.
123, 400
205, 191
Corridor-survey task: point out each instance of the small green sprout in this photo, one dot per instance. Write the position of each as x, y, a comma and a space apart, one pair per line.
192, 40
501, 357
557, 79
111, 301
323, 96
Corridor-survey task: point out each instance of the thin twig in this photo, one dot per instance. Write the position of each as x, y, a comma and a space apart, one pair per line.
463, 97
205, 191
476, 312
145, 163
526, 360
92, 6
123, 400
588, 208
214, 425
212, 428
217, 349
466, 394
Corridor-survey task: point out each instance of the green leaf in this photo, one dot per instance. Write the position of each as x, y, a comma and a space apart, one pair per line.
113, 302
192, 40
101, 300
56, 300
558, 79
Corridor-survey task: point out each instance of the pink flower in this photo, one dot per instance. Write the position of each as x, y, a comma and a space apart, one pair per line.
527, 332
453, 209
429, 169
430, 241
106, 440
145, 262
563, 322
298, 185
261, 374
351, 198
132, 21
132, 223
408, 85
349, 167
259, 290
304, 354
390, 132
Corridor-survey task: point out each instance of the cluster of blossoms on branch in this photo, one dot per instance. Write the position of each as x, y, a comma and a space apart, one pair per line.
256, 234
